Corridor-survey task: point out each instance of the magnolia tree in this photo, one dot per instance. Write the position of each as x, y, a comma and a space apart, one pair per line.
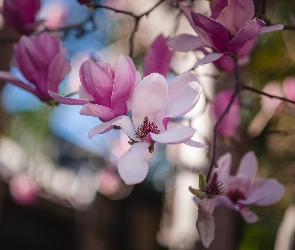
147, 97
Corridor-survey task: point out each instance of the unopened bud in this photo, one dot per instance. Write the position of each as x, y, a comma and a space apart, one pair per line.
197, 192
202, 180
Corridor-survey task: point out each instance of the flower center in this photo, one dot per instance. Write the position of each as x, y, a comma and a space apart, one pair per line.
213, 187
146, 128
235, 195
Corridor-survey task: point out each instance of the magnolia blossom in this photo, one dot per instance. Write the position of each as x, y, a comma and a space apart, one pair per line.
230, 121
153, 103
42, 62
234, 192
105, 91
21, 14
158, 57
231, 30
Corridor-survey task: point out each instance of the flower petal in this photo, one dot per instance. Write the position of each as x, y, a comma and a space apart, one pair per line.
186, 42
96, 82
124, 83
102, 128
250, 30
271, 28
264, 192
7, 77
248, 166
224, 164
195, 144
149, 98
208, 58
213, 29
67, 100
174, 134
158, 57
236, 14
103, 113
184, 101
132, 166
248, 215
205, 221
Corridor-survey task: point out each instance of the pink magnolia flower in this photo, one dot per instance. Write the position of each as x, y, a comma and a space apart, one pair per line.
231, 30
289, 88
153, 103
105, 91
42, 62
235, 192
158, 57
229, 123
21, 14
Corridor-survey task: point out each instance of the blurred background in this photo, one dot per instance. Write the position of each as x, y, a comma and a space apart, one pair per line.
60, 190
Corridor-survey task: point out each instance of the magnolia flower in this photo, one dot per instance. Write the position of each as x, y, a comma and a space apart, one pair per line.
21, 14
231, 30
158, 57
231, 120
42, 62
105, 91
234, 192
153, 103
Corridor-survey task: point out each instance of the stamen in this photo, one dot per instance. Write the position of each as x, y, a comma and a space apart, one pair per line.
146, 128
213, 187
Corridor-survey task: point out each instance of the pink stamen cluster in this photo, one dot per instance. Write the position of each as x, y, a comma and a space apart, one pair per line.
146, 128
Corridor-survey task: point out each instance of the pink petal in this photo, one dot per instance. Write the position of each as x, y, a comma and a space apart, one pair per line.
57, 70
265, 192
103, 113
174, 134
224, 165
225, 63
205, 222
7, 77
124, 83
132, 166
248, 166
126, 124
222, 200
236, 14
215, 30
186, 42
158, 57
67, 100
217, 6
208, 58
231, 120
184, 101
149, 98
289, 88
96, 82
271, 28
248, 215
195, 144
249, 31
204, 36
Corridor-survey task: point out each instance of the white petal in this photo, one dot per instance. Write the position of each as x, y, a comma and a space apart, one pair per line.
149, 98
184, 101
174, 134
102, 128
132, 166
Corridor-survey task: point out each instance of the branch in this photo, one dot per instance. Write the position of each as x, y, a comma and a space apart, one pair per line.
257, 91
137, 19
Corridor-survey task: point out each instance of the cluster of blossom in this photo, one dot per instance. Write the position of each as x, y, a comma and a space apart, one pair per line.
143, 107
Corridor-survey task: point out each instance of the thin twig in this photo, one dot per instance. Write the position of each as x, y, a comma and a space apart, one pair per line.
257, 91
